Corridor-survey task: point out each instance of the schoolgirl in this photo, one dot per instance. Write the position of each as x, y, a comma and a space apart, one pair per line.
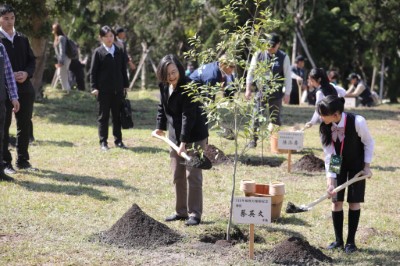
319, 80
348, 148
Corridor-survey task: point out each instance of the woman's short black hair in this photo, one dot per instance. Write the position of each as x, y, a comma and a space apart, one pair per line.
330, 105
162, 73
4, 9
104, 30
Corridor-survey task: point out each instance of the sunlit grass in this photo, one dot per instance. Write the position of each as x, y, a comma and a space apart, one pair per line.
48, 217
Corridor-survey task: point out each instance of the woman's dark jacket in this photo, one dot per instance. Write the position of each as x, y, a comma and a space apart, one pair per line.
181, 116
107, 73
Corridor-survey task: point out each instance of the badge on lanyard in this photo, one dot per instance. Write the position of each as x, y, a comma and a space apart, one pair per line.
335, 164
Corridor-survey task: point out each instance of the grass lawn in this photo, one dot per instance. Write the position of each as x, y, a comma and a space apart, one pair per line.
48, 217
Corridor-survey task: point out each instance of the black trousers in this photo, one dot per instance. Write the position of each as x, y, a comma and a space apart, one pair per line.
77, 69
2, 120
24, 125
107, 103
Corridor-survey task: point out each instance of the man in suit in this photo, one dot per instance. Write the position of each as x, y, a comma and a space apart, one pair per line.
23, 64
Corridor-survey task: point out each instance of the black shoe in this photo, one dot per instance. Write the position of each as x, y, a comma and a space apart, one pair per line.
120, 145
350, 248
104, 146
335, 244
31, 140
6, 178
8, 169
25, 165
252, 144
192, 221
175, 217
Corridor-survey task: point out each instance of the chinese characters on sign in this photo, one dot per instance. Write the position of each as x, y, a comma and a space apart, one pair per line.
252, 210
290, 140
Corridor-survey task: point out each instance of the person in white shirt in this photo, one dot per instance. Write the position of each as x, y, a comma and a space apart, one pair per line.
319, 80
348, 148
278, 77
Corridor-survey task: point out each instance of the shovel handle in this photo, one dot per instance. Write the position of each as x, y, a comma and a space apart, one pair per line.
356, 178
170, 143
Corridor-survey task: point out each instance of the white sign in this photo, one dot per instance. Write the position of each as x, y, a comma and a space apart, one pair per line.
350, 102
252, 210
290, 140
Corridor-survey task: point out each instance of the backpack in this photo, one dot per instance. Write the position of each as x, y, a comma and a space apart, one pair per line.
71, 49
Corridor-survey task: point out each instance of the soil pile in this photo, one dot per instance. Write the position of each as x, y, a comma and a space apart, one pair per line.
296, 251
309, 163
215, 155
137, 229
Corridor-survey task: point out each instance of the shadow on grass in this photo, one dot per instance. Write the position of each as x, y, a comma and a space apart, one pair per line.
144, 149
386, 169
65, 189
292, 219
80, 108
375, 257
83, 180
258, 161
52, 143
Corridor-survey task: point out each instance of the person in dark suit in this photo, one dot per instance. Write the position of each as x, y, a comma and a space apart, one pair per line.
186, 124
109, 83
23, 63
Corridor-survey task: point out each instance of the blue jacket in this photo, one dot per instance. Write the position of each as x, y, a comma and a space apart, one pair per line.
210, 74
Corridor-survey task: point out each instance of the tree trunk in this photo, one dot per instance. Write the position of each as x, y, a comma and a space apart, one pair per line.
39, 49
373, 78
382, 77
294, 50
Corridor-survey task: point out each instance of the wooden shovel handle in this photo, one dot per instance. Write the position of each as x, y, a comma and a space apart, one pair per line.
356, 178
170, 143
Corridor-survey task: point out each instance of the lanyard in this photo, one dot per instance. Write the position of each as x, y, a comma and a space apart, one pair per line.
342, 144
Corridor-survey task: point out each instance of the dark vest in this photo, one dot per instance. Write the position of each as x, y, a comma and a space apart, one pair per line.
3, 93
276, 61
353, 149
365, 96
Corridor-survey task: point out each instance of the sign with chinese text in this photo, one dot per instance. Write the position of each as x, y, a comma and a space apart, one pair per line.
290, 140
252, 210
350, 102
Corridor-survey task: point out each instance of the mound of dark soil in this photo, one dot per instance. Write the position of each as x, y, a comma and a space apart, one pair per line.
296, 251
215, 155
309, 163
137, 229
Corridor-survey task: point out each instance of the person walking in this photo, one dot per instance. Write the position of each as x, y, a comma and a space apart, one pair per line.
186, 124
8, 89
109, 83
348, 147
63, 61
23, 63
270, 95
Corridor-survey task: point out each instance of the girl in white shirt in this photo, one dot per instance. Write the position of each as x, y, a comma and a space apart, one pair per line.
319, 80
348, 148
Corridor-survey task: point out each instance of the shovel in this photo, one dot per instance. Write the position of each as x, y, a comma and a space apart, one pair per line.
193, 161
291, 208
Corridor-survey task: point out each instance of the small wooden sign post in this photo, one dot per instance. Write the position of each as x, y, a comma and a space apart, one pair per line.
252, 210
290, 140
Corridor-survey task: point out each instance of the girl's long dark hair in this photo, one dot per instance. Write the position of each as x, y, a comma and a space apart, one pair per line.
328, 106
319, 75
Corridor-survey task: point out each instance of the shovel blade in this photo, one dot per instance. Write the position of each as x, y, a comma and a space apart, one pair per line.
291, 208
197, 161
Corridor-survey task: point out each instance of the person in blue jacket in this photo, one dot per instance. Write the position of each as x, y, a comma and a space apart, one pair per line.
214, 72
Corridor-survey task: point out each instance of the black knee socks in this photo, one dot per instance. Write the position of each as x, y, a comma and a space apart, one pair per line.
354, 217
337, 218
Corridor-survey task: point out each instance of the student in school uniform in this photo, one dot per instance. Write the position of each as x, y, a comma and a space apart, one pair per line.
109, 83
348, 148
319, 80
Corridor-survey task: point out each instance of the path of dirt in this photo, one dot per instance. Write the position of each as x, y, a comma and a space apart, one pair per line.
309, 163
136, 229
295, 251
215, 155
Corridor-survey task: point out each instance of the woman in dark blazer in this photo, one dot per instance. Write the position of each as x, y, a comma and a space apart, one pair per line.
186, 125
109, 82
